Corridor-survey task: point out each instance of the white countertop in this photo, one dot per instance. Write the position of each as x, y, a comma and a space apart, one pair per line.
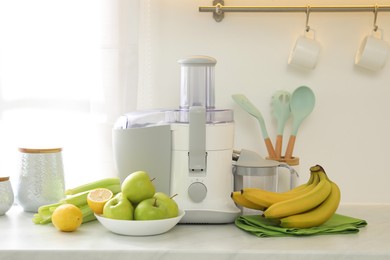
21, 239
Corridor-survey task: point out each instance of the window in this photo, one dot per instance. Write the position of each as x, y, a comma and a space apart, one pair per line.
50, 81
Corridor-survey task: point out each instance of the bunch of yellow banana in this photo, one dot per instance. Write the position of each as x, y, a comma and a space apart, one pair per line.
308, 205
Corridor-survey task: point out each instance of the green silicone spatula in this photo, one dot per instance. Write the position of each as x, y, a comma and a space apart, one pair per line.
301, 105
281, 111
245, 104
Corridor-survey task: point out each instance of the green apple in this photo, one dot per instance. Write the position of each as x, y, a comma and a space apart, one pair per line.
169, 203
137, 187
150, 209
118, 207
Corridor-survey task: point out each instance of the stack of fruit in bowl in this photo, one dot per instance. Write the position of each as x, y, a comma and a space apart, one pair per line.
137, 209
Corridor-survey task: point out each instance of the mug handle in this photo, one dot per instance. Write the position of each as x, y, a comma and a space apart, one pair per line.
292, 173
377, 32
309, 35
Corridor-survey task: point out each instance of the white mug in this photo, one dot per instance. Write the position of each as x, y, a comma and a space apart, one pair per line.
305, 52
373, 52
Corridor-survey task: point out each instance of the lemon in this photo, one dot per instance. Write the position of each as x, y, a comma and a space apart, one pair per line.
97, 198
67, 217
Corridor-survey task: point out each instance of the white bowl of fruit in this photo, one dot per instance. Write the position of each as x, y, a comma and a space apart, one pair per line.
139, 227
138, 210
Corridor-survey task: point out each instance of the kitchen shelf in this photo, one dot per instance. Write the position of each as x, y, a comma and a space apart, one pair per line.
218, 9
21, 239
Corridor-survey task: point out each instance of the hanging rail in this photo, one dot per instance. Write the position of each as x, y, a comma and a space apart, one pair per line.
219, 9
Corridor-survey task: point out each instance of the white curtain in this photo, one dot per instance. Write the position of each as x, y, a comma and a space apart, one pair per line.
68, 70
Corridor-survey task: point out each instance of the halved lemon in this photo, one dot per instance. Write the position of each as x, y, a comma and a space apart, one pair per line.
97, 198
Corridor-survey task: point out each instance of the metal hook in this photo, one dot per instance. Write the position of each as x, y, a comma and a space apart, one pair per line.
307, 18
376, 9
218, 9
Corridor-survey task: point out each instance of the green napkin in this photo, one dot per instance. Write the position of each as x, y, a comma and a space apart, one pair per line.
263, 227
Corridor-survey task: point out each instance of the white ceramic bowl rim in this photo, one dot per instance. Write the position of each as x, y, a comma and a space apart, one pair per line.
140, 227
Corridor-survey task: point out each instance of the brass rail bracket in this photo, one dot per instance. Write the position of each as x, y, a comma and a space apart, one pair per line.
218, 14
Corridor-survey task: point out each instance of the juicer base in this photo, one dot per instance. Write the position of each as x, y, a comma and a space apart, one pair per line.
203, 216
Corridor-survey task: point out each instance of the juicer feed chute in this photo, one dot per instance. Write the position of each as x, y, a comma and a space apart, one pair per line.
197, 82
197, 163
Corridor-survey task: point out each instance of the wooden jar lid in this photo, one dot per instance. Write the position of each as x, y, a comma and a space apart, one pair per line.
40, 150
4, 179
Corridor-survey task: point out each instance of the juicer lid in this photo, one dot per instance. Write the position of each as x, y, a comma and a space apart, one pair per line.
250, 159
198, 60
149, 118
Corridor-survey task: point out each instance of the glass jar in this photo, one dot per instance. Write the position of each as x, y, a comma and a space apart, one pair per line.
41, 178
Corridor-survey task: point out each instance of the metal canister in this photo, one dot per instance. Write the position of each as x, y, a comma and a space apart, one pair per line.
41, 177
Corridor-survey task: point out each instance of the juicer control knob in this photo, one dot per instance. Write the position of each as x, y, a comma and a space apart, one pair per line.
197, 191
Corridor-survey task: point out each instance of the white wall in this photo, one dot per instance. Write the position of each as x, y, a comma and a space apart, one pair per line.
348, 131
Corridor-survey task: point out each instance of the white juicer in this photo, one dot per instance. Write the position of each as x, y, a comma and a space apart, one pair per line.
188, 150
